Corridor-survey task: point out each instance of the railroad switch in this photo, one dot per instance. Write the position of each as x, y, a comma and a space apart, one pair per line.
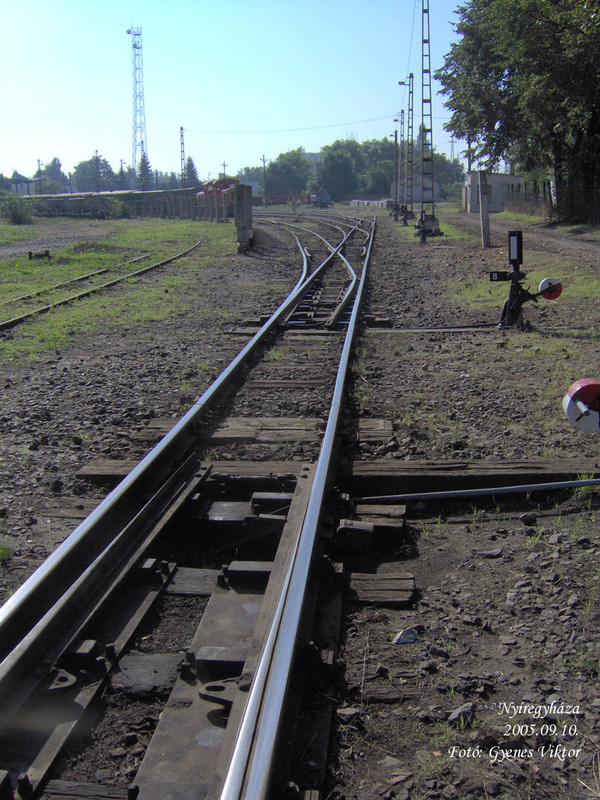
549, 289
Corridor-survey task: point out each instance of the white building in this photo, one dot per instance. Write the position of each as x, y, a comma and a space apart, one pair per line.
499, 184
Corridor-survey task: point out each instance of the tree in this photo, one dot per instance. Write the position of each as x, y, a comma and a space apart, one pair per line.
191, 174
253, 175
49, 186
53, 172
51, 179
340, 167
520, 85
94, 175
288, 174
145, 176
449, 175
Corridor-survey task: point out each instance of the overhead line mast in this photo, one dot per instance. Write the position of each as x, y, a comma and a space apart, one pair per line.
428, 223
139, 142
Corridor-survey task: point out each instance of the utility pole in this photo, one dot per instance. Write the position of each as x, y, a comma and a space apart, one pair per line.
402, 165
484, 208
264, 163
139, 141
183, 175
224, 169
408, 177
427, 181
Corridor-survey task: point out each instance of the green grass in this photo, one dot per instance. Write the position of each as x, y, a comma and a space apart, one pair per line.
172, 291
451, 232
11, 234
6, 551
587, 230
514, 217
160, 238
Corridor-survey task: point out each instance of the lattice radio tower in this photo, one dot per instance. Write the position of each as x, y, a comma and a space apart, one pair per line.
139, 143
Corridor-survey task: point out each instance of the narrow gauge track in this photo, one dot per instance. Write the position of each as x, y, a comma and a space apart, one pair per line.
81, 633
21, 309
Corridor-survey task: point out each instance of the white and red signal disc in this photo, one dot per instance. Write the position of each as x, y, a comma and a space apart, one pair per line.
581, 404
550, 288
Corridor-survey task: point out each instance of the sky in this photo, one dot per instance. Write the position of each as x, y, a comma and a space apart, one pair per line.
245, 80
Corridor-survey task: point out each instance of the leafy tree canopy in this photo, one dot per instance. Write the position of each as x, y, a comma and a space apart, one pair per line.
289, 173
94, 175
522, 85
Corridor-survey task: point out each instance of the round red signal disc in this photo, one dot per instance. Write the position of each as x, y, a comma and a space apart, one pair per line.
581, 404
550, 288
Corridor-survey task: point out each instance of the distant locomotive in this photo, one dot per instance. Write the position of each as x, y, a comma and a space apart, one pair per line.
217, 198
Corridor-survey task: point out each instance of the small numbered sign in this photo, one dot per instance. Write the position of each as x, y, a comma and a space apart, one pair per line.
550, 288
581, 404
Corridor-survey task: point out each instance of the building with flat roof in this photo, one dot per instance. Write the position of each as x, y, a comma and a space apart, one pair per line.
499, 185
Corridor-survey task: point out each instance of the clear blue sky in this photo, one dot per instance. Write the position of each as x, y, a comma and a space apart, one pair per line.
244, 79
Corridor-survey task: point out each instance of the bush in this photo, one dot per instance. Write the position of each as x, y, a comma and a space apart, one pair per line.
117, 209
16, 209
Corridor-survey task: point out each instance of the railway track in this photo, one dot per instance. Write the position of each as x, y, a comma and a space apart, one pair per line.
234, 539
30, 305
469, 602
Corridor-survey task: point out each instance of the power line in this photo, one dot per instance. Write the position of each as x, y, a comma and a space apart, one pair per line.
293, 130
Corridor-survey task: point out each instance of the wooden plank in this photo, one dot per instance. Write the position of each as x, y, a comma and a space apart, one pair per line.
70, 790
271, 429
107, 471
362, 510
375, 430
286, 383
386, 590
71, 508
258, 429
390, 476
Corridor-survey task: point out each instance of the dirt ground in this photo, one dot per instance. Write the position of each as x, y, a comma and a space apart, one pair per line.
492, 690
496, 696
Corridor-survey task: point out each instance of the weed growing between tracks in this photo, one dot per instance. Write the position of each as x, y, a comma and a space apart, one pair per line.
163, 294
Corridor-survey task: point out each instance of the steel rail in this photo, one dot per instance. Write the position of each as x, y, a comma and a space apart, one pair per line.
249, 773
325, 220
10, 323
78, 279
32, 602
457, 494
338, 311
